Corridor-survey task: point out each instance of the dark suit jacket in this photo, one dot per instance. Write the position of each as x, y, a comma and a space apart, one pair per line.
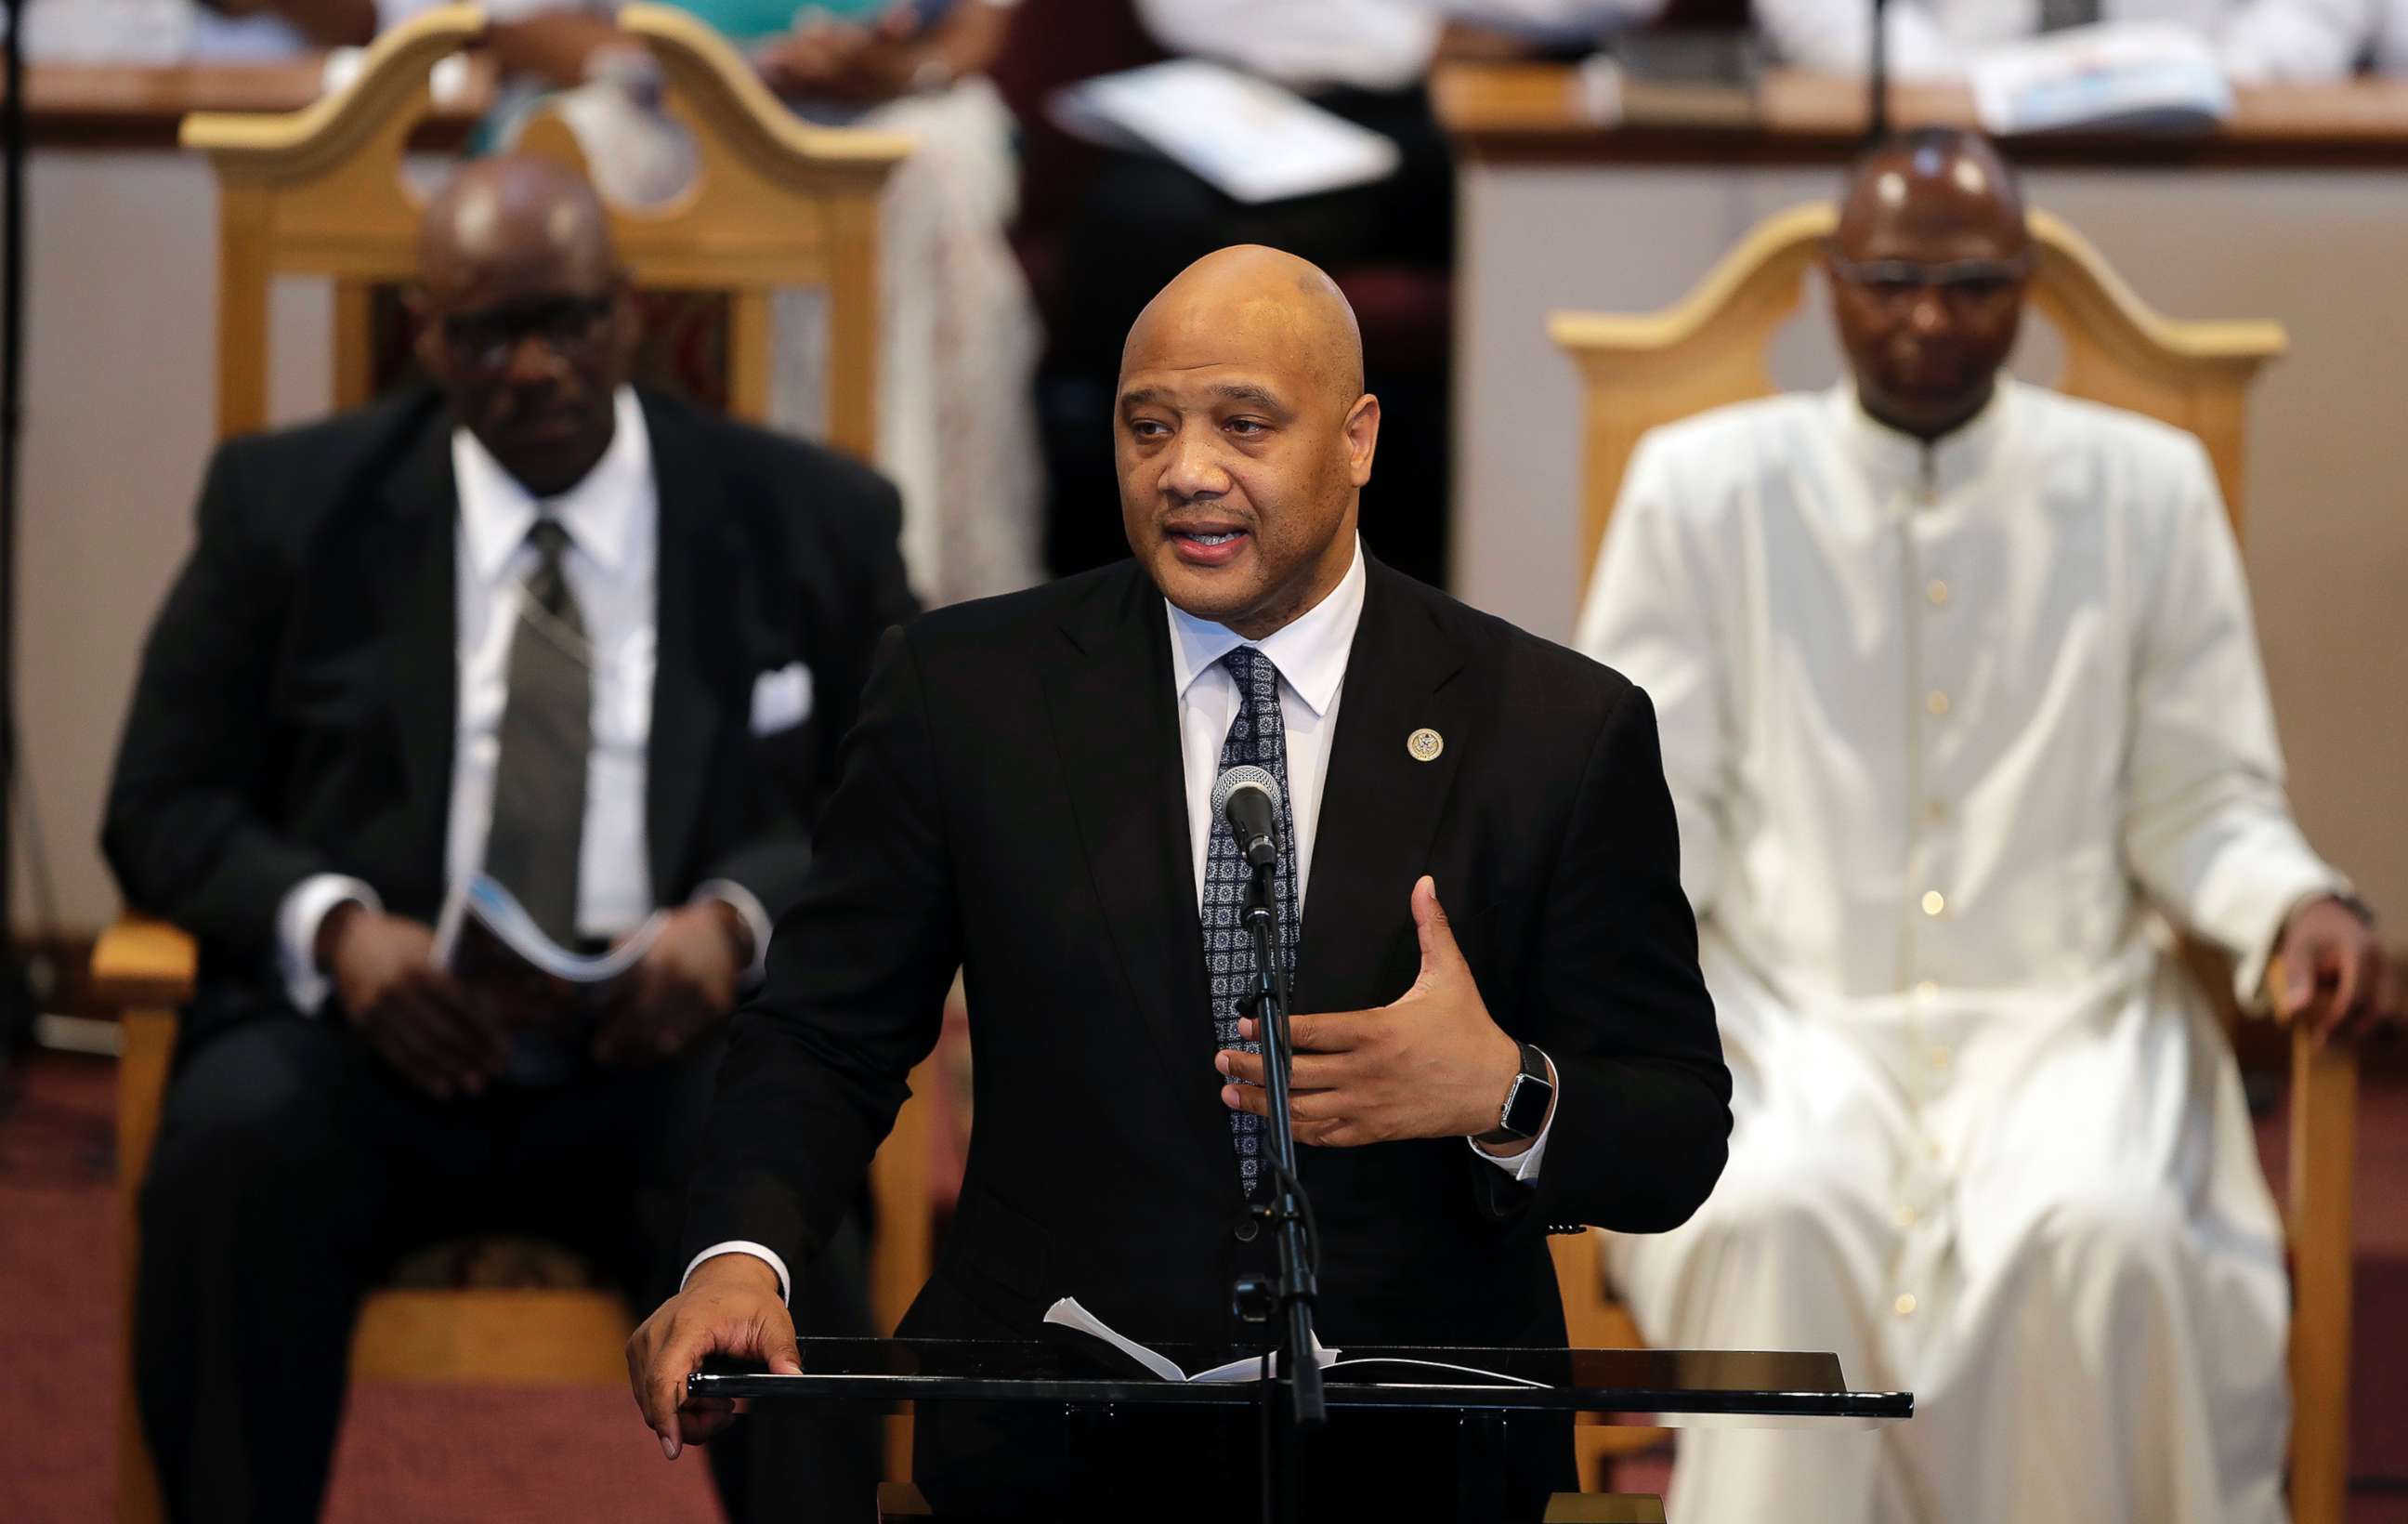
295, 708
1013, 803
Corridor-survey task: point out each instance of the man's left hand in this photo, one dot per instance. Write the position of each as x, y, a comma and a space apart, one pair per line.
683, 987
1431, 1065
2331, 973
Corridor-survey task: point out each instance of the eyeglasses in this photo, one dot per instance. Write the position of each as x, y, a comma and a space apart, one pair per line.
1963, 282
487, 338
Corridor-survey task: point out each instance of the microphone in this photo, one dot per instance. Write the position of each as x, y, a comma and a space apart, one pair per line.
1249, 797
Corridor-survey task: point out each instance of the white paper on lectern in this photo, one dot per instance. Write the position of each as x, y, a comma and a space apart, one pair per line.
2129, 76
1249, 137
1067, 1313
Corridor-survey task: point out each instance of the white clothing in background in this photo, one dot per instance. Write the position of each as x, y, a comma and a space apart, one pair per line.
2391, 38
2256, 41
958, 334
958, 345
1369, 44
1942, 726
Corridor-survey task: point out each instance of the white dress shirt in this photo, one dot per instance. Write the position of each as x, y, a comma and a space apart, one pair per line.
612, 517
2256, 41
1311, 652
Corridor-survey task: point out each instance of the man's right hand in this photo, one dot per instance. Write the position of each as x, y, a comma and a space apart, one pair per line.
730, 1306
413, 1013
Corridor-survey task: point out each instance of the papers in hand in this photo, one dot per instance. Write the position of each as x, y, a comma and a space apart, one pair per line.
1068, 1314
2128, 76
485, 932
1250, 138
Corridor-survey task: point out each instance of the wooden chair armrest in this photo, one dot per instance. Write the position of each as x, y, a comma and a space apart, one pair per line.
144, 962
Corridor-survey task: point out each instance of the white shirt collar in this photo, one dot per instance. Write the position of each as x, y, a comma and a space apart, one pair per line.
1310, 651
1962, 455
598, 513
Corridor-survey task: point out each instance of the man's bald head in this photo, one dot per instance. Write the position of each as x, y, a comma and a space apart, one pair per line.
1929, 267
1244, 436
524, 316
1940, 178
1258, 294
528, 217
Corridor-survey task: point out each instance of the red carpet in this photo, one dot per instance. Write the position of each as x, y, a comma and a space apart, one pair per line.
444, 1456
427, 1455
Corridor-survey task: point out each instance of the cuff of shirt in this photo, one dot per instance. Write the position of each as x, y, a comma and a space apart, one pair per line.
739, 1245
298, 916
756, 921
1524, 1166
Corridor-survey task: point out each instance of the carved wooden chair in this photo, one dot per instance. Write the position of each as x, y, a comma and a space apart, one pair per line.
1640, 371
774, 204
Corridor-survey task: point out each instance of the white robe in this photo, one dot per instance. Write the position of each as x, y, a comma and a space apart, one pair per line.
1942, 726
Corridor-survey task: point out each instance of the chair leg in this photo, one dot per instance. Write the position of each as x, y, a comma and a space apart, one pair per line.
2324, 1137
148, 1042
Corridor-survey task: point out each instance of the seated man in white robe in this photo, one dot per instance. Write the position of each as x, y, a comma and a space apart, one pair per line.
1958, 691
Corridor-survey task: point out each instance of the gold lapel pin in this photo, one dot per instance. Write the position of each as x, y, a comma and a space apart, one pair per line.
1425, 744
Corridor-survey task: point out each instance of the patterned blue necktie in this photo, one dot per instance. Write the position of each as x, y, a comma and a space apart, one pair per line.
1257, 736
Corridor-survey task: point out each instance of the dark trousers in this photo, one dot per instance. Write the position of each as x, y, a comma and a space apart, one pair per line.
294, 1167
1145, 219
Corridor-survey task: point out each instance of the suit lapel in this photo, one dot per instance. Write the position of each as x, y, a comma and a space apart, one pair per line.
1380, 803
1116, 726
413, 568
698, 590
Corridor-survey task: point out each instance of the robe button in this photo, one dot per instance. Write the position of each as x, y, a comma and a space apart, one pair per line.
1905, 1305
1937, 593
1933, 902
1937, 702
1904, 1217
1940, 1057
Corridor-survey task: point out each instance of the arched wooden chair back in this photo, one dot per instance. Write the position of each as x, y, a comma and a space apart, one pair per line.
774, 204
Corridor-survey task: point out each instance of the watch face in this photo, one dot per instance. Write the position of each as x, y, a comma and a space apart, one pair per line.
1527, 1112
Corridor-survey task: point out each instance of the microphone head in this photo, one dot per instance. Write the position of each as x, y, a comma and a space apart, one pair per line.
1247, 776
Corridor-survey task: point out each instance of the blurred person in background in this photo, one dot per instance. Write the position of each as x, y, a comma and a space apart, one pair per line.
958, 334
1959, 696
2391, 38
165, 32
529, 621
2256, 41
1144, 218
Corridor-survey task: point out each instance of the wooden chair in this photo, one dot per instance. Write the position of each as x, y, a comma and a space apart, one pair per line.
1710, 350
320, 192
774, 204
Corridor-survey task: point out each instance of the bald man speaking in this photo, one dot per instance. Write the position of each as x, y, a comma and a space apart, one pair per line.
530, 621
1478, 887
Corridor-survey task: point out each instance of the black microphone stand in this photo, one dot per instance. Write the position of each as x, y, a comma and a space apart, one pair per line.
1877, 80
16, 999
1293, 1298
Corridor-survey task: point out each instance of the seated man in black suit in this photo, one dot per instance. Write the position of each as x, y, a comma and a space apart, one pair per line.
1070, 862
531, 621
